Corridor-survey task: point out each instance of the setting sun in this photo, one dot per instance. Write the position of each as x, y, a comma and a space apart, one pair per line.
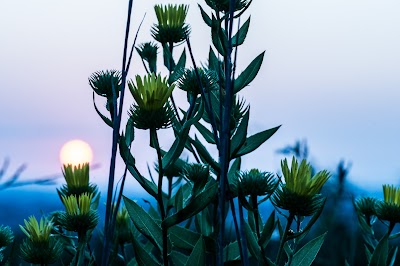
76, 152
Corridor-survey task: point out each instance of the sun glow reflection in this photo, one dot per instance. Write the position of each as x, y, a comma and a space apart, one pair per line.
76, 152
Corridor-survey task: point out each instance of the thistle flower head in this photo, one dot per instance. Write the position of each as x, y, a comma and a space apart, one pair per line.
189, 81
171, 27
196, 172
76, 176
254, 183
105, 82
152, 92
78, 205
6, 236
152, 109
299, 195
148, 52
223, 5
365, 207
123, 226
77, 179
298, 179
78, 215
37, 231
389, 208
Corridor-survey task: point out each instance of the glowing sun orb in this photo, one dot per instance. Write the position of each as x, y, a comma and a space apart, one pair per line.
76, 152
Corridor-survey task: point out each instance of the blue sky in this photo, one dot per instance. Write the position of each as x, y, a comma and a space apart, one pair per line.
330, 75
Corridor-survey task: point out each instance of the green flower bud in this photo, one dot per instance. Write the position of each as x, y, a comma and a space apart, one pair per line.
254, 183
223, 5
79, 216
6, 236
299, 195
40, 247
171, 27
389, 208
123, 226
152, 110
148, 52
103, 82
198, 174
189, 82
366, 206
77, 178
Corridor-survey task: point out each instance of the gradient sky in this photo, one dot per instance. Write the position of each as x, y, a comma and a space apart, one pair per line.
330, 75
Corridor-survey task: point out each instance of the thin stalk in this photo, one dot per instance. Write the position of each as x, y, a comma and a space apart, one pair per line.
245, 258
116, 126
390, 229
256, 214
225, 138
284, 237
207, 104
235, 222
154, 136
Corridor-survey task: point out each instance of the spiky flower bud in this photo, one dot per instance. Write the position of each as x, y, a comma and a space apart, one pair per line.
300, 193
365, 207
189, 81
389, 208
40, 247
79, 216
77, 178
6, 236
152, 110
198, 174
254, 183
148, 52
171, 27
223, 5
123, 226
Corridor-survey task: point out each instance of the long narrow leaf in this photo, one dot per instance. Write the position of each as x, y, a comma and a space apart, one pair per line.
306, 255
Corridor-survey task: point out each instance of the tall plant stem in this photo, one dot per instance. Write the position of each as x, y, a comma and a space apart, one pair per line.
116, 126
256, 214
224, 151
237, 230
245, 258
154, 137
284, 237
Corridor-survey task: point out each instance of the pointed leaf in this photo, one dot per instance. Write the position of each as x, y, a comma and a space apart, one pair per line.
213, 62
197, 257
144, 223
204, 154
216, 33
168, 60
205, 17
248, 74
255, 141
380, 254
240, 36
126, 155
239, 137
231, 252
306, 255
129, 132
205, 132
143, 257
178, 258
235, 167
195, 206
267, 231
180, 66
393, 260
103, 117
252, 242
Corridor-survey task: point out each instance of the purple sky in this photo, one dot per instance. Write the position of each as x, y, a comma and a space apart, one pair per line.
330, 74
